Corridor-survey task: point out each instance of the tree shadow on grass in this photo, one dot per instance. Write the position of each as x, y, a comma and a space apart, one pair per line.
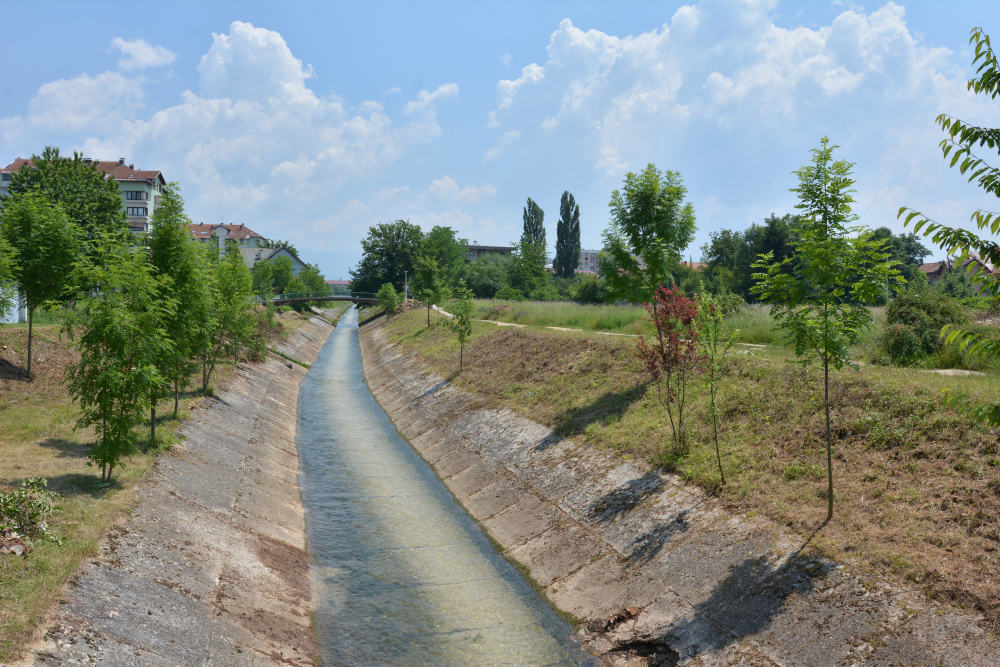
606, 409
11, 371
80, 484
67, 449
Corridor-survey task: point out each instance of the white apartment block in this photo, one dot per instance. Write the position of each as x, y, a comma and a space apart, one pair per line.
588, 260
140, 189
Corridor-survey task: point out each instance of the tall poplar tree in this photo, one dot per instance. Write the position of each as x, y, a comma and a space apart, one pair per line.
534, 224
567, 237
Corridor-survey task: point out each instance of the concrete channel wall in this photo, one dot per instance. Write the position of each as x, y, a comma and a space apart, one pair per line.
658, 572
211, 568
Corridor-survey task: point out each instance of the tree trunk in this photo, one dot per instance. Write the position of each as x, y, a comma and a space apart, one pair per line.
177, 383
461, 358
31, 317
715, 428
152, 418
428, 313
829, 440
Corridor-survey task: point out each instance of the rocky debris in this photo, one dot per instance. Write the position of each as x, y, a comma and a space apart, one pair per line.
12, 543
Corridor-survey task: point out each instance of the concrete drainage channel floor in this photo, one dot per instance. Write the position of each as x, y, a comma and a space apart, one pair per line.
403, 576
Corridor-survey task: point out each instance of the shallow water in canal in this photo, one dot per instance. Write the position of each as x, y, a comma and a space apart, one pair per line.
403, 575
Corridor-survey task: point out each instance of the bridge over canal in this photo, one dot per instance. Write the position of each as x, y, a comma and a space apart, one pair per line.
305, 297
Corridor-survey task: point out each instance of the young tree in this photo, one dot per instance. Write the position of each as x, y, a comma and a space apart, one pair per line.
90, 200
263, 279
674, 356
965, 144
567, 237
47, 245
232, 291
534, 225
281, 273
714, 346
429, 283
8, 267
462, 308
838, 269
388, 299
650, 225
120, 334
390, 251
173, 254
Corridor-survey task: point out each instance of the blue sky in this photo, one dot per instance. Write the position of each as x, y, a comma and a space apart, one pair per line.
312, 121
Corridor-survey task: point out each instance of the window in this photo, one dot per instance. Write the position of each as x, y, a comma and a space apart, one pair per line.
135, 195
4, 177
136, 210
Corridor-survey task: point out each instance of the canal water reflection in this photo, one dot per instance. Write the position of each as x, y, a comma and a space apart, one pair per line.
403, 575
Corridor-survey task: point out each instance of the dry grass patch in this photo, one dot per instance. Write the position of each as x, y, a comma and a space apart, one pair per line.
918, 486
37, 440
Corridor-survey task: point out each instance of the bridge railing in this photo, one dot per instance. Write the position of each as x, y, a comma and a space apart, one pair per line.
324, 295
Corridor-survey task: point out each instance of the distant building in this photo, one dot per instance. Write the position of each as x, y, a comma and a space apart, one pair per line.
589, 262
221, 234
339, 286
252, 254
140, 189
697, 266
934, 271
474, 251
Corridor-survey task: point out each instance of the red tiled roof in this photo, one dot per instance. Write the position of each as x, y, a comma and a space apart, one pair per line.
930, 267
697, 266
127, 172
338, 282
17, 164
204, 231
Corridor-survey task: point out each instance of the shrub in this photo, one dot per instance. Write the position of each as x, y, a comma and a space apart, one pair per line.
26, 510
913, 325
510, 294
590, 289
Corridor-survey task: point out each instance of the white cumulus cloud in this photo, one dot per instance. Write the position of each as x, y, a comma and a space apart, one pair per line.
503, 143
140, 54
446, 188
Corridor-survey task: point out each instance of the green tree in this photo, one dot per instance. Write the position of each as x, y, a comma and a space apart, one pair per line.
8, 269
650, 225
173, 254
838, 268
119, 331
281, 273
313, 280
264, 278
731, 255
486, 276
390, 251
534, 225
905, 249
429, 284
443, 246
232, 291
462, 309
567, 237
265, 243
47, 244
526, 272
965, 144
90, 200
388, 299
715, 344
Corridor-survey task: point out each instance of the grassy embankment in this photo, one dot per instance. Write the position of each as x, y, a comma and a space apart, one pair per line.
37, 439
918, 495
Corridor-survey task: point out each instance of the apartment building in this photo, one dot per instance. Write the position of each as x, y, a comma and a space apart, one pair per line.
140, 189
222, 234
474, 251
588, 260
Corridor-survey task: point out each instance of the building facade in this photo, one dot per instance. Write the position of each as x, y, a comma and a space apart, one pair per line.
140, 189
221, 234
475, 251
589, 260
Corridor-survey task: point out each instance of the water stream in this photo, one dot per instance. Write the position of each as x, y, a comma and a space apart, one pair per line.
403, 575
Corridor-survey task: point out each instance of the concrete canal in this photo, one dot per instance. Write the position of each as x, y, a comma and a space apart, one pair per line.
403, 575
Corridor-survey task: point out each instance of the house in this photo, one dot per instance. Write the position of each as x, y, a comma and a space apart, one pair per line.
934, 271
222, 234
339, 286
589, 261
937, 270
140, 189
253, 254
475, 251
697, 266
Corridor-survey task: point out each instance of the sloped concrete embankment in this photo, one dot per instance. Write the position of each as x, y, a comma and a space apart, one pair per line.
658, 572
211, 568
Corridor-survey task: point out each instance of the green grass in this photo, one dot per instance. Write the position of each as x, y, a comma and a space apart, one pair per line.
613, 319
